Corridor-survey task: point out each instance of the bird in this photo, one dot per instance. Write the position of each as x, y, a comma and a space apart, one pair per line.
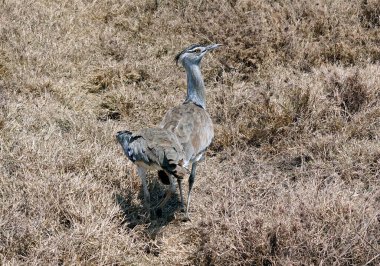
154, 149
190, 121
180, 140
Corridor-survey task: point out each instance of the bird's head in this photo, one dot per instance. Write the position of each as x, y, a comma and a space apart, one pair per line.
193, 54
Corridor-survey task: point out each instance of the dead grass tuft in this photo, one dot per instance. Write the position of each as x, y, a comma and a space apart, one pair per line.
349, 94
370, 17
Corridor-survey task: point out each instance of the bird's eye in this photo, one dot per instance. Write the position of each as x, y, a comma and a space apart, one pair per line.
196, 50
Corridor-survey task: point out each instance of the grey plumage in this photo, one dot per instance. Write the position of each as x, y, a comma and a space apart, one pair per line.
193, 127
154, 148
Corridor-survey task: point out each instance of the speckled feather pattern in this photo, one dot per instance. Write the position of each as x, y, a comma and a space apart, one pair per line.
155, 148
193, 127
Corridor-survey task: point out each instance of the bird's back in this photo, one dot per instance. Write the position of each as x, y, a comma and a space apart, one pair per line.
156, 148
193, 127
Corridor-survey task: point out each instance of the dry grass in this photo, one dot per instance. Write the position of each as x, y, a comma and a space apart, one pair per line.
292, 177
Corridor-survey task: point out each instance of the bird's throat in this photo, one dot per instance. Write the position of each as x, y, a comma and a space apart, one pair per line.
195, 86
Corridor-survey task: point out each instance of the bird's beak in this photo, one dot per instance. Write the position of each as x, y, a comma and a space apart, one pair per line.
213, 47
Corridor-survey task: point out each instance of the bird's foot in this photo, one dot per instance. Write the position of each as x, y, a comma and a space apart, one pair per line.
184, 217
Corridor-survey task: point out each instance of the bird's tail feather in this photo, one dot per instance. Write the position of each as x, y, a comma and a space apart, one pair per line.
124, 138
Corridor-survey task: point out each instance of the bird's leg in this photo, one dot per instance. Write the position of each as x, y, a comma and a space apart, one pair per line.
179, 180
169, 192
142, 174
191, 183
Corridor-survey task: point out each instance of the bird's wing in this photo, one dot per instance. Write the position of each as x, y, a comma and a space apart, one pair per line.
139, 149
179, 121
193, 127
160, 147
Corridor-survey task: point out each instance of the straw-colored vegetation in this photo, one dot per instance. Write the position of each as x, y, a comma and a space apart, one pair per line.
292, 177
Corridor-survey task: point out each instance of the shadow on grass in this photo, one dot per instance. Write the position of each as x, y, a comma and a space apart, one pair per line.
135, 213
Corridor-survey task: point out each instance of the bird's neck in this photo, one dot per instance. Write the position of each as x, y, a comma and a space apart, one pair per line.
195, 86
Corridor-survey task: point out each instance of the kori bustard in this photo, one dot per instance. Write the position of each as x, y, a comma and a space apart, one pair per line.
182, 137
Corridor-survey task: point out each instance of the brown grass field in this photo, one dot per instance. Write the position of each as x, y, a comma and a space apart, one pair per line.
293, 174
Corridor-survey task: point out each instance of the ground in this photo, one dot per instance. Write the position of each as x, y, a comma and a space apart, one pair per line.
292, 177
